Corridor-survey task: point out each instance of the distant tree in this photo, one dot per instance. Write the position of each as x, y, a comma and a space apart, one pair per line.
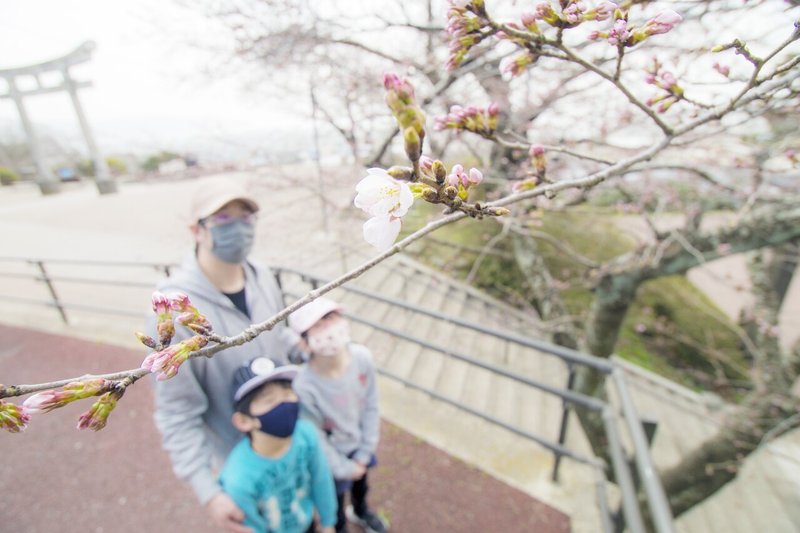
150, 164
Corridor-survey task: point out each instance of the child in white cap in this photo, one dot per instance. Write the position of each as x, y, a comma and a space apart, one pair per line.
338, 392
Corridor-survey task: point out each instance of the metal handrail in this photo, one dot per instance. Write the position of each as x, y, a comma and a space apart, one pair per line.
655, 497
567, 355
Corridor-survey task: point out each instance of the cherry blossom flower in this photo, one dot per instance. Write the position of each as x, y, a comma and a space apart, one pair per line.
386, 200
13, 418
380, 194
44, 402
381, 231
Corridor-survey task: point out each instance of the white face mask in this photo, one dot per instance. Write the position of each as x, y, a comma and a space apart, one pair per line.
331, 340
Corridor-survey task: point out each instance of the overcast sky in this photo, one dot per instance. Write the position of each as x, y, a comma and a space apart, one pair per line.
149, 89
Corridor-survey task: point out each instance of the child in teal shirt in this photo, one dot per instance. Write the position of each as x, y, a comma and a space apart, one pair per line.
278, 475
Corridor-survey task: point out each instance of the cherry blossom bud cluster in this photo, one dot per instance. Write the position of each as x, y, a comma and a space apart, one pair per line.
538, 166
13, 418
572, 14
165, 363
665, 80
622, 33
465, 24
462, 180
479, 120
189, 315
516, 65
410, 117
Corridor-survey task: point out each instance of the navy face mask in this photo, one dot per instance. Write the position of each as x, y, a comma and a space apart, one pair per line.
233, 241
280, 420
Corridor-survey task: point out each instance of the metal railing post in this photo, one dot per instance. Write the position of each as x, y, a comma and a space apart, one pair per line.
630, 503
52, 290
602, 499
656, 498
562, 432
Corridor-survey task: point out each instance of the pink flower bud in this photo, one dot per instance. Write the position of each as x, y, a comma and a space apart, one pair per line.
390, 81
544, 11
529, 21
161, 304
725, 70
426, 163
669, 79
620, 33
146, 339
475, 176
662, 23
167, 361
163, 309
573, 13
602, 12
97, 416
13, 418
46, 401
180, 302
536, 150
493, 109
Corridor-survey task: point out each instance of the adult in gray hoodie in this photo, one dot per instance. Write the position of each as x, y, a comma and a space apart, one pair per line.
193, 409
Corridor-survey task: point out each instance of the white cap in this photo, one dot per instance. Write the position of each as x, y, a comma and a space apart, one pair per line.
258, 371
212, 194
308, 315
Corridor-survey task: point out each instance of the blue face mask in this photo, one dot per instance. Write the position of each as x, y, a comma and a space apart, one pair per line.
280, 420
233, 241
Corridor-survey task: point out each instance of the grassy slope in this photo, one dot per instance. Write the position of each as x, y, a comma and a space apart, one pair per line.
662, 331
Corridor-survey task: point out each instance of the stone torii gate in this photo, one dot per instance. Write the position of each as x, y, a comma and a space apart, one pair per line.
47, 182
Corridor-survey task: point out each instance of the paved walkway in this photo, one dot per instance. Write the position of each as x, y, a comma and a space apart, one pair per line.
57, 478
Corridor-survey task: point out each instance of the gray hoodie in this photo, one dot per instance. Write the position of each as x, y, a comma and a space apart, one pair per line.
345, 410
194, 408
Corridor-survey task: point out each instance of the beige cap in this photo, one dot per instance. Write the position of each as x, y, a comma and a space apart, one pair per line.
308, 315
212, 194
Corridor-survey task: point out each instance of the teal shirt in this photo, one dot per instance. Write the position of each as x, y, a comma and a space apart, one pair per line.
280, 495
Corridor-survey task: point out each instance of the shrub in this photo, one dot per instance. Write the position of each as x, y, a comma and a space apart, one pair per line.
7, 176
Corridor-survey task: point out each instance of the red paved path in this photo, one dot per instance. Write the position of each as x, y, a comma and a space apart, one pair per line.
57, 478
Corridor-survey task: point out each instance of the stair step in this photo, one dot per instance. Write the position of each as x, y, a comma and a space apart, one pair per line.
430, 363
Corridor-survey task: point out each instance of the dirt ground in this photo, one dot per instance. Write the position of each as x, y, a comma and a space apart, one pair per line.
57, 478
